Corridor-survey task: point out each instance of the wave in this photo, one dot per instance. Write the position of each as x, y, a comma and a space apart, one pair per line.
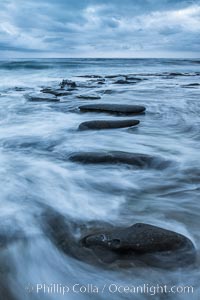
13, 65
40, 64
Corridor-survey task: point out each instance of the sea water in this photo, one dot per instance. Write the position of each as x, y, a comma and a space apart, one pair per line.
36, 140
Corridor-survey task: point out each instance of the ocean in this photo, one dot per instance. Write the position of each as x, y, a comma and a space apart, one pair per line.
36, 141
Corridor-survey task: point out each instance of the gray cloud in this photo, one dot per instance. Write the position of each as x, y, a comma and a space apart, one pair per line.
85, 28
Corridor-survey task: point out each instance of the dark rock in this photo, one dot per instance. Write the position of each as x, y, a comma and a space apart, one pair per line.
89, 97
140, 238
102, 244
10, 232
114, 76
69, 83
113, 108
71, 89
132, 77
56, 92
121, 81
153, 245
90, 76
9, 237
174, 74
124, 77
120, 157
191, 85
101, 81
108, 92
67, 235
41, 98
6, 291
88, 84
107, 124
19, 89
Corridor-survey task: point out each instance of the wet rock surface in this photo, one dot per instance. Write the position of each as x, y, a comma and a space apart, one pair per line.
127, 80
119, 157
101, 243
69, 83
191, 85
107, 124
19, 89
40, 97
107, 245
8, 237
46, 160
113, 108
89, 97
140, 238
56, 92
90, 76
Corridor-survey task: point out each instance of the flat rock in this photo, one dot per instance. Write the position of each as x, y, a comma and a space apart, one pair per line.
174, 74
132, 77
90, 76
114, 76
120, 157
107, 124
140, 238
40, 97
56, 92
124, 81
152, 244
106, 245
89, 97
113, 108
191, 85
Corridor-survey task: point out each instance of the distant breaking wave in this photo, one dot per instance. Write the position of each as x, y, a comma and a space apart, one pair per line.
41, 64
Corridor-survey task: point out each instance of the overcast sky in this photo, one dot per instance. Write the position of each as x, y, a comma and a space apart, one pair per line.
99, 28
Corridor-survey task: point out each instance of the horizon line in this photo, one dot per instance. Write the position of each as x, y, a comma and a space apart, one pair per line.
181, 58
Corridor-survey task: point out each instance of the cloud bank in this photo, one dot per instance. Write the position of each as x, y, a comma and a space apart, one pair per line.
89, 28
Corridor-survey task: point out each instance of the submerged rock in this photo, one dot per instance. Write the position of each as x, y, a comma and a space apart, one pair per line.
102, 81
19, 89
56, 92
178, 74
120, 80
132, 77
107, 124
10, 232
191, 85
113, 108
125, 81
67, 234
89, 97
37, 97
124, 77
120, 157
90, 76
114, 76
